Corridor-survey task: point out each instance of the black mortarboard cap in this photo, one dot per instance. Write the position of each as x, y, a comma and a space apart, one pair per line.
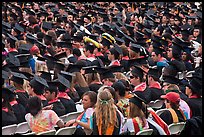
105, 73
30, 38
98, 29
13, 60
196, 86
60, 31
63, 80
53, 86
170, 79
158, 49
153, 72
90, 69
47, 25
28, 75
199, 14
137, 71
119, 32
119, 41
18, 77
106, 26
128, 39
18, 28
23, 57
7, 93
46, 75
116, 50
38, 82
138, 61
139, 34
67, 75
48, 37
148, 32
59, 65
5, 75
60, 55
39, 58
115, 68
135, 47
12, 38
129, 27
177, 46
30, 12
137, 101
42, 13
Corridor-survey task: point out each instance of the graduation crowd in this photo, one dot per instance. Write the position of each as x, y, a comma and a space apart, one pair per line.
113, 58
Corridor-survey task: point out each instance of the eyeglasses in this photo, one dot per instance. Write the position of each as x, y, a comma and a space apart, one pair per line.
131, 77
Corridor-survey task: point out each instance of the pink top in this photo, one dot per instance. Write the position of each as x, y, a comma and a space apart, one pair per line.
45, 120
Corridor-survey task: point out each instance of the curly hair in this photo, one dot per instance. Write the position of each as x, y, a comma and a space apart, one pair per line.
105, 109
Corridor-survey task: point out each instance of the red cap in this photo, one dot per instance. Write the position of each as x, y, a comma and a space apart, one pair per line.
34, 49
172, 96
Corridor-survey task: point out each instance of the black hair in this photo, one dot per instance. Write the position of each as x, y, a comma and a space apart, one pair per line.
34, 105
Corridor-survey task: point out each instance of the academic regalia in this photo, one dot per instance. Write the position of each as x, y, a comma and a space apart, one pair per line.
57, 107
44, 100
116, 129
168, 119
195, 105
67, 102
8, 118
81, 90
153, 93
95, 87
22, 97
19, 111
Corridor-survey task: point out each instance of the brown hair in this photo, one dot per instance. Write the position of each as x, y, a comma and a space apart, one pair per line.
93, 97
135, 111
92, 77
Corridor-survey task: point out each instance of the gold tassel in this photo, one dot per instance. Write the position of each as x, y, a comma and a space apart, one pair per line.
22, 6
133, 8
46, 19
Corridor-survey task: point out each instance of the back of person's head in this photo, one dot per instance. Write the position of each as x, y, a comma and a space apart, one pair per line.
34, 105
173, 88
105, 107
120, 87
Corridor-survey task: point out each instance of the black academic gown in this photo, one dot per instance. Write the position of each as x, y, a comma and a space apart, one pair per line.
67, 102
22, 97
57, 107
168, 119
195, 105
8, 118
152, 94
95, 87
19, 111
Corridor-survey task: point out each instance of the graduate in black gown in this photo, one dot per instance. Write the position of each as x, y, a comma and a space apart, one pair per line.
8, 116
64, 79
18, 109
18, 81
51, 95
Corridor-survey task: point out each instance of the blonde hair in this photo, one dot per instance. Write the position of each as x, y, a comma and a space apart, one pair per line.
79, 79
26, 82
120, 75
105, 109
92, 77
20, 42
